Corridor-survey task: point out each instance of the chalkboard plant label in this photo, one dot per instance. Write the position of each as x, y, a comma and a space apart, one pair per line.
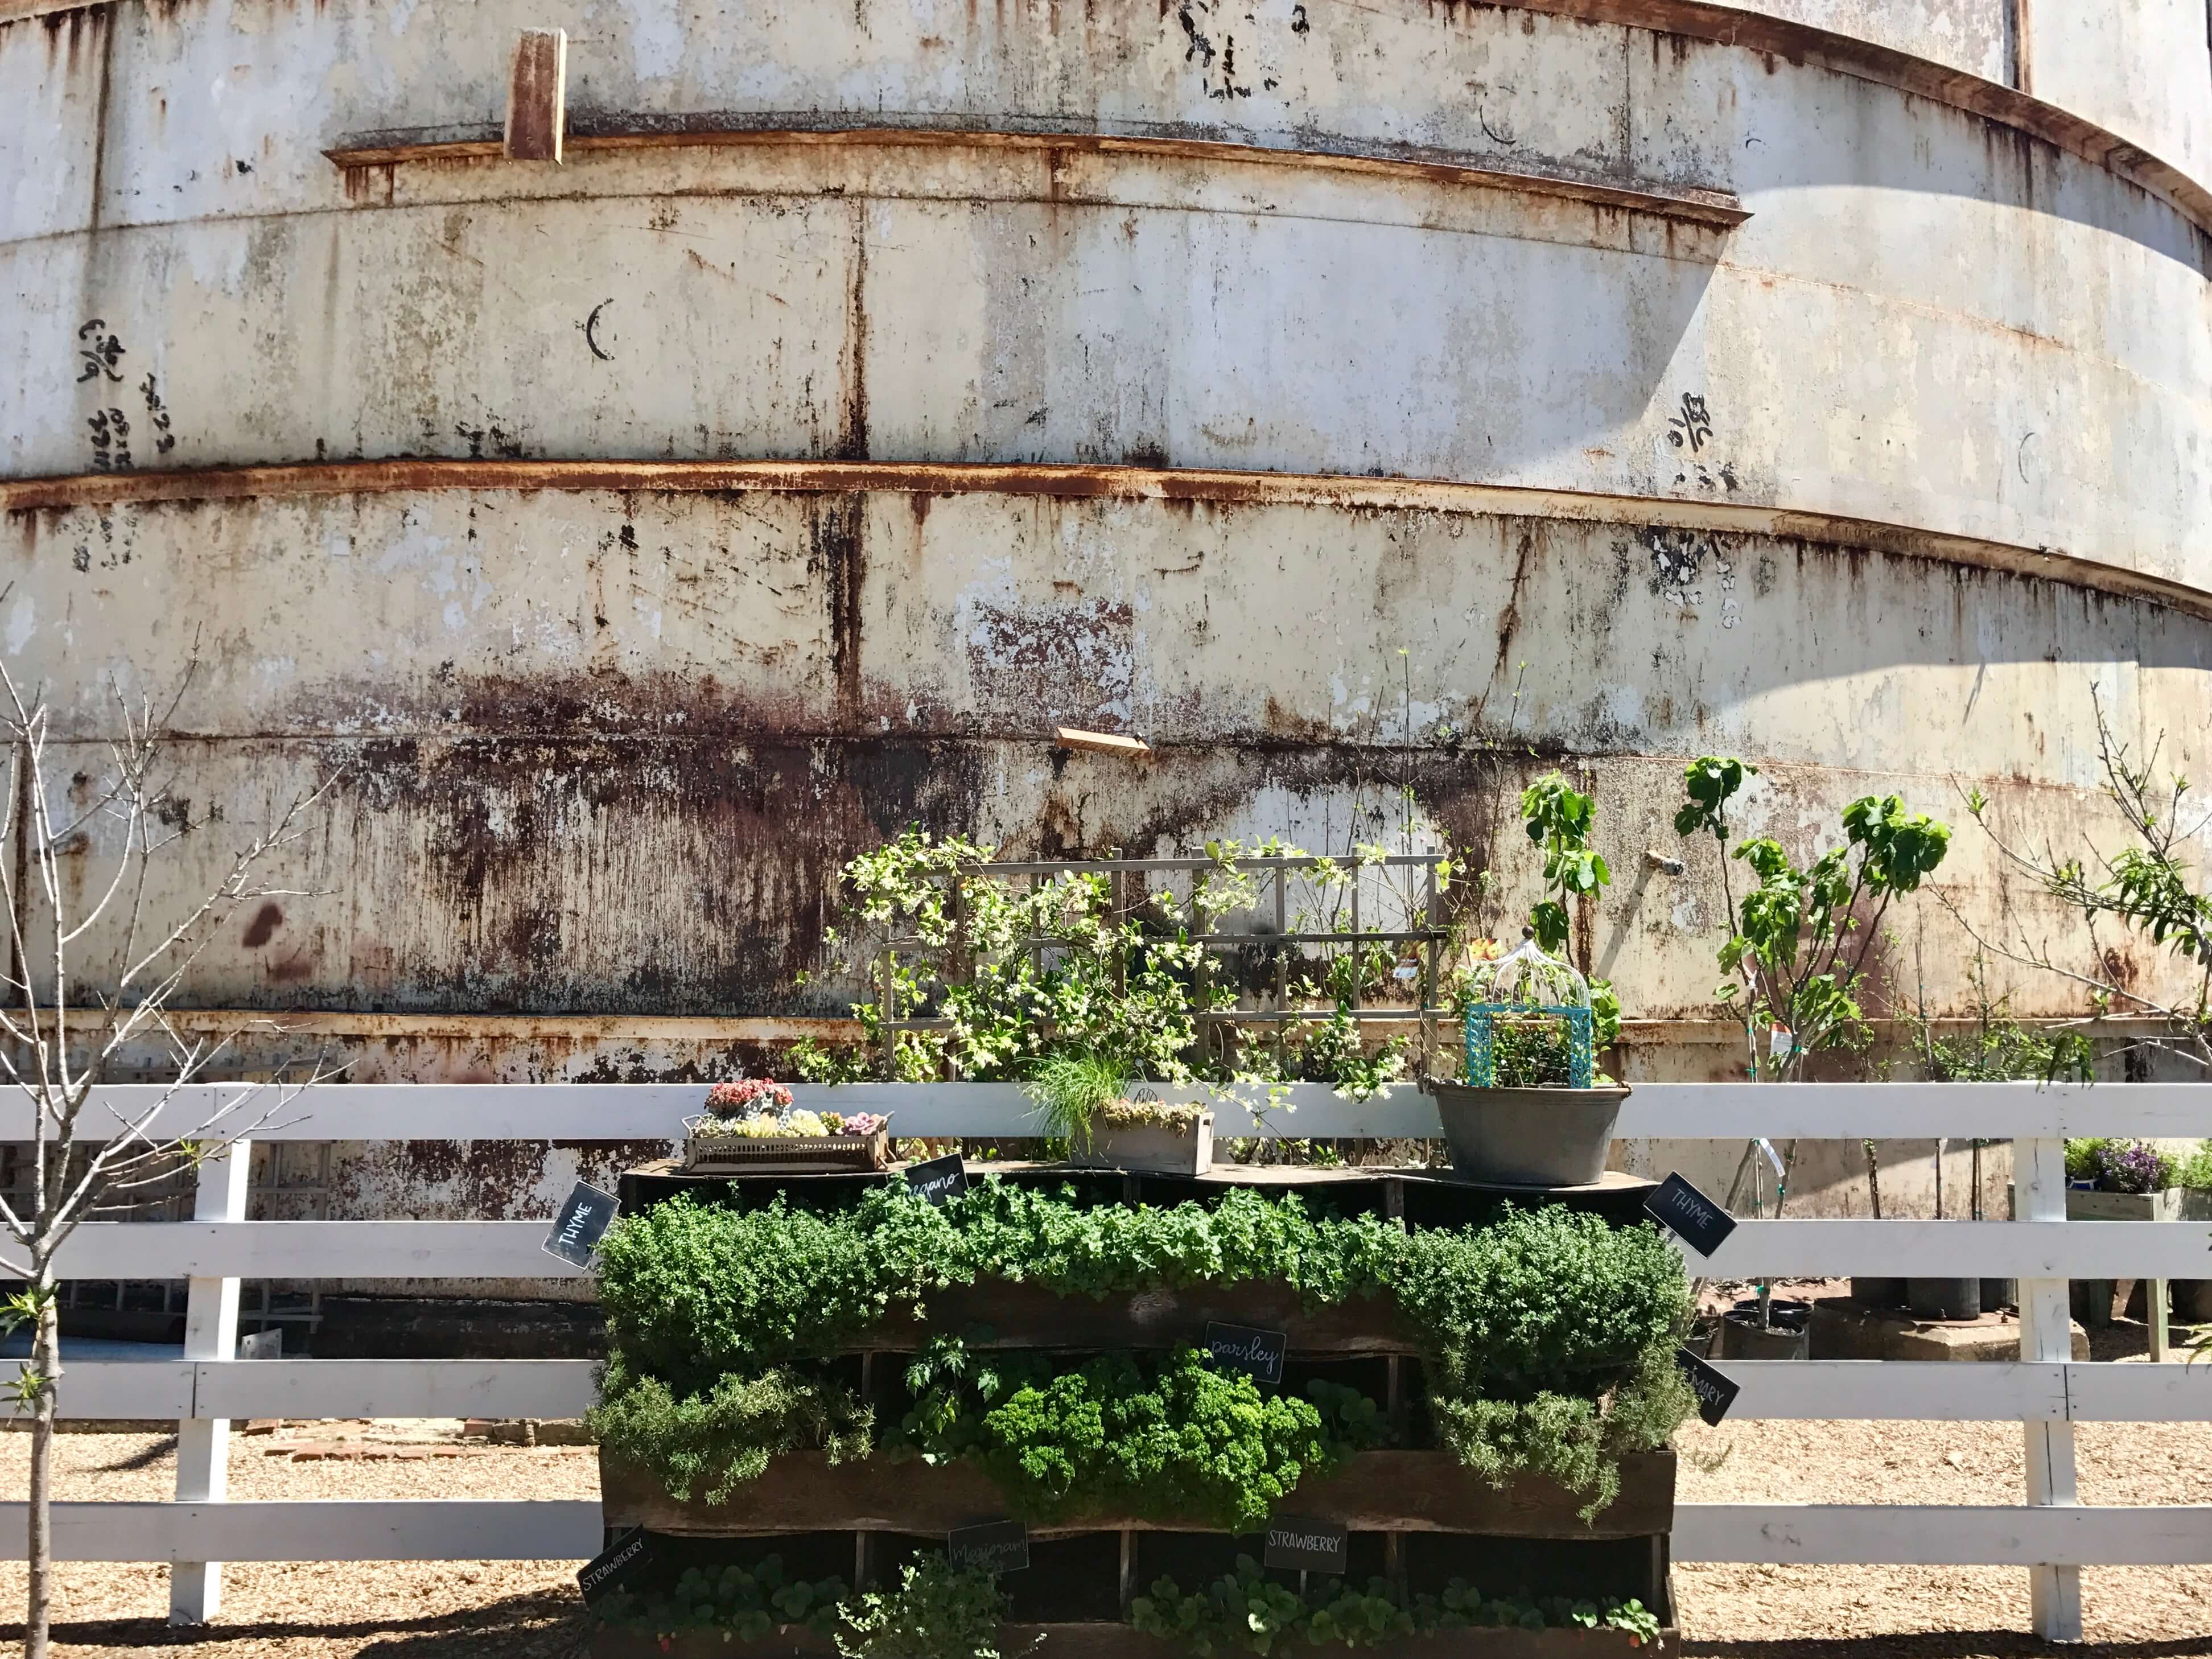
939, 1179
1690, 1215
995, 1546
1256, 1352
1308, 1545
618, 1564
583, 1220
1716, 1393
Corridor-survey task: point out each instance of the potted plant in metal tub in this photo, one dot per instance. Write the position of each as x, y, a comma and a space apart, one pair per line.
1086, 1099
749, 1127
1530, 1113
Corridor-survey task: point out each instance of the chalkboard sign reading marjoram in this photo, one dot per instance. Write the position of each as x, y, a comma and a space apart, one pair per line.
995, 1546
1255, 1352
1310, 1545
1716, 1393
1685, 1212
622, 1561
579, 1225
939, 1179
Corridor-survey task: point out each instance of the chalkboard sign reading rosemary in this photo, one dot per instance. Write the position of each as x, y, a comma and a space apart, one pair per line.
579, 1225
1259, 1353
622, 1561
1688, 1213
1310, 1545
939, 1179
1716, 1393
995, 1546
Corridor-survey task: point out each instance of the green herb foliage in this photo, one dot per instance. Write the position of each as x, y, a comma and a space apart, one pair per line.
1247, 1612
2195, 1169
746, 1603
939, 1611
708, 1443
1174, 1440
1550, 1335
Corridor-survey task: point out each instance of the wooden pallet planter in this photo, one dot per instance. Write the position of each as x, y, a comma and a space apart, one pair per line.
1385, 1491
1113, 1641
1012, 1315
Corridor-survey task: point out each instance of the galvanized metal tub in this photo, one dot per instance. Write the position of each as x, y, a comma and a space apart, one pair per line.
1528, 1136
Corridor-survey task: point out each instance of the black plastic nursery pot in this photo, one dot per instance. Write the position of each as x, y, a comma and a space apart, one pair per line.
1528, 1136
1944, 1298
1786, 1335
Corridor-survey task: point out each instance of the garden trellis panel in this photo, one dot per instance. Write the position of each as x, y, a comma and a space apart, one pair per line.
2047, 1392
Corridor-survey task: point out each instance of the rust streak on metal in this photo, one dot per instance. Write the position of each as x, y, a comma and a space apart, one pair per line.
1718, 207
1086, 482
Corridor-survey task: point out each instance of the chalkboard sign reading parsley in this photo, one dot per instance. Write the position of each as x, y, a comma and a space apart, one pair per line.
939, 1179
1716, 1393
581, 1223
623, 1560
1258, 1354
1685, 1212
1310, 1545
996, 1547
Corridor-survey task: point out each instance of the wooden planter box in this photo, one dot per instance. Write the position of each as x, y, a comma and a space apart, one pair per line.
2123, 1206
1105, 1641
1153, 1147
1370, 1492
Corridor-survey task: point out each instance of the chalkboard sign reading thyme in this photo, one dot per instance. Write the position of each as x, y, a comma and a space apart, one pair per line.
939, 1179
1685, 1212
995, 1546
1716, 1393
1259, 1353
579, 1225
623, 1560
1308, 1545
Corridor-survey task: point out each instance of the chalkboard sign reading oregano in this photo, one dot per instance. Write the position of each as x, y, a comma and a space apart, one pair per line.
994, 1547
939, 1179
1310, 1545
1716, 1393
1256, 1352
1688, 1213
581, 1223
620, 1563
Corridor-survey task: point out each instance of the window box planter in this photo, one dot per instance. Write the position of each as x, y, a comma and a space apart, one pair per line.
713, 1146
2123, 1206
1184, 1148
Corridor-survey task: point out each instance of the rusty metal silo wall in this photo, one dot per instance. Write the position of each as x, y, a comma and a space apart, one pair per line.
874, 387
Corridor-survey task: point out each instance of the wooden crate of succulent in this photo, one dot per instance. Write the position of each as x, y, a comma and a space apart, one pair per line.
749, 1127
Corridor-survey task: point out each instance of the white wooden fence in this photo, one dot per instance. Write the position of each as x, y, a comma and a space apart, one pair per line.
2046, 1391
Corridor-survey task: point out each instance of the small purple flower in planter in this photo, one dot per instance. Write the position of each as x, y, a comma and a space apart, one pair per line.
2133, 1166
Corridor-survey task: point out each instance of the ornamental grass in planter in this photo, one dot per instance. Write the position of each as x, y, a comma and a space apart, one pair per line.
1531, 1112
750, 1127
1087, 1100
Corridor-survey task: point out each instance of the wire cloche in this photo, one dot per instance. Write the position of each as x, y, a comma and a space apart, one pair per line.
1525, 983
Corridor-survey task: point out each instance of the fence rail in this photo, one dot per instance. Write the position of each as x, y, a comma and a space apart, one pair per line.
2046, 1391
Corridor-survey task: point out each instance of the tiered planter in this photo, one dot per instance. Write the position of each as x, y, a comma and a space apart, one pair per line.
1417, 1516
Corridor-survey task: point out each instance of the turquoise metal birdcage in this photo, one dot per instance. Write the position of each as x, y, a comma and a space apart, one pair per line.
1527, 983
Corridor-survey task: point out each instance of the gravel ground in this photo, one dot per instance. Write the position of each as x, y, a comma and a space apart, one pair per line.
506, 1610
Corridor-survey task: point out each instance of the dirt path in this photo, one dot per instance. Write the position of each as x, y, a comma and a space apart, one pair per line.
507, 1610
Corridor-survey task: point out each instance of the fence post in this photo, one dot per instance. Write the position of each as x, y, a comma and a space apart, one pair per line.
211, 1333
2046, 1332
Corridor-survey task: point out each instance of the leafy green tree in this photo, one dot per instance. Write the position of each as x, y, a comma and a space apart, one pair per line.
1798, 939
2153, 885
